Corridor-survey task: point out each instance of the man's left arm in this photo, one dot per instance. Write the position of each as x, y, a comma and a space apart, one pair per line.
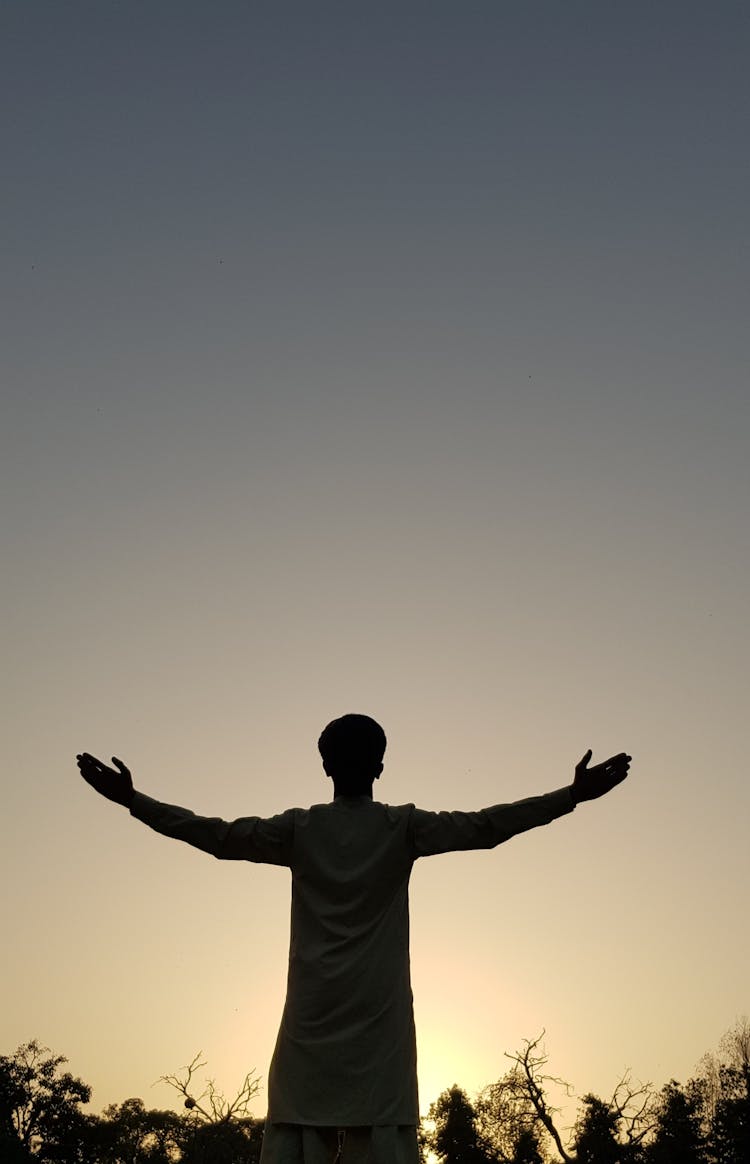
263, 840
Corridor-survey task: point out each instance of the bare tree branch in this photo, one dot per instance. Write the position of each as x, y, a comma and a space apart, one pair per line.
211, 1104
635, 1107
532, 1082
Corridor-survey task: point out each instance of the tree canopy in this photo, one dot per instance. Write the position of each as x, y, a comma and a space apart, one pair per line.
511, 1121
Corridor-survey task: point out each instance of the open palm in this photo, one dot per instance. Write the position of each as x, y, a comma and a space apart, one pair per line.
114, 783
589, 783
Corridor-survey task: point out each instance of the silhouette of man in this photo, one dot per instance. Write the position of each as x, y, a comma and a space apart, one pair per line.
342, 1084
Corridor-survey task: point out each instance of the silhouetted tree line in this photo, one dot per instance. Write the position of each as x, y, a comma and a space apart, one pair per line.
512, 1121
705, 1121
41, 1119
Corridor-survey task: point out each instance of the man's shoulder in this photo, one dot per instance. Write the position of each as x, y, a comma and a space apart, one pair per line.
344, 806
355, 804
353, 809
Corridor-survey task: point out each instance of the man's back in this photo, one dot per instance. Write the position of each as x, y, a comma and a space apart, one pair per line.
346, 1045
346, 1049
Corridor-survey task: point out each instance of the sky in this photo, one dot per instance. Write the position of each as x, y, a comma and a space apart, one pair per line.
389, 358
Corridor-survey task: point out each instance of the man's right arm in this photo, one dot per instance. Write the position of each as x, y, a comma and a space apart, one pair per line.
443, 832
451, 832
252, 838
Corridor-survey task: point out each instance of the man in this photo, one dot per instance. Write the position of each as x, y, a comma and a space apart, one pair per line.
343, 1079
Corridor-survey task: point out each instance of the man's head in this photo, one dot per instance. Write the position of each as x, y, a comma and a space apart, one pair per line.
352, 749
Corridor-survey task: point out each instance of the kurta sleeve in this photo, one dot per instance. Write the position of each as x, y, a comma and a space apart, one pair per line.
251, 838
447, 832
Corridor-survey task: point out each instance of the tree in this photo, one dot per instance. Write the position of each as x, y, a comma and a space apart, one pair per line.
614, 1131
735, 1048
217, 1130
455, 1138
527, 1148
11, 1148
42, 1105
730, 1129
129, 1133
226, 1142
518, 1105
724, 1083
212, 1106
678, 1136
596, 1138
732, 1116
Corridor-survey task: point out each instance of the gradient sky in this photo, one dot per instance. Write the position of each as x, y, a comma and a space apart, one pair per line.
392, 358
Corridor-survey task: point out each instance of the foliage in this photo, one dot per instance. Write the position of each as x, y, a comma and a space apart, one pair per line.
517, 1110
512, 1121
527, 1149
217, 1130
455, 1138
225, 1142
678, 1133
130, 1132
41, 1120
41, 1105
596, 1139
724, 1083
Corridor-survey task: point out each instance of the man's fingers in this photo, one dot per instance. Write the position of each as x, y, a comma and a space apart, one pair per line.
613, 764
86, 760
90, 771
616, 769
584, 760
89, 761
94, 771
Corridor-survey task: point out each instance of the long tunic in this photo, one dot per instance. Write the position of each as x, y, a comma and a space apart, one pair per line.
346, 1049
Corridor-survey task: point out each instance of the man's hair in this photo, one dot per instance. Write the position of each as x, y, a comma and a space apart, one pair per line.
352, 747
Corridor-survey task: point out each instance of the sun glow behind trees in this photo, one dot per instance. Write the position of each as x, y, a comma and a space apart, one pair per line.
512, 1121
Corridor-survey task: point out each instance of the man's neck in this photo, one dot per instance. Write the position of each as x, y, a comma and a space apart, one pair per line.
340, 792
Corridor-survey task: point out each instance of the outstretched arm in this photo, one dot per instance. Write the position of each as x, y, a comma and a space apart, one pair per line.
250, 838
590, 783
114, 783
444, 832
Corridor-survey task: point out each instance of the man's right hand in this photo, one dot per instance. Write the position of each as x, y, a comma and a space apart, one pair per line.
114, 783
